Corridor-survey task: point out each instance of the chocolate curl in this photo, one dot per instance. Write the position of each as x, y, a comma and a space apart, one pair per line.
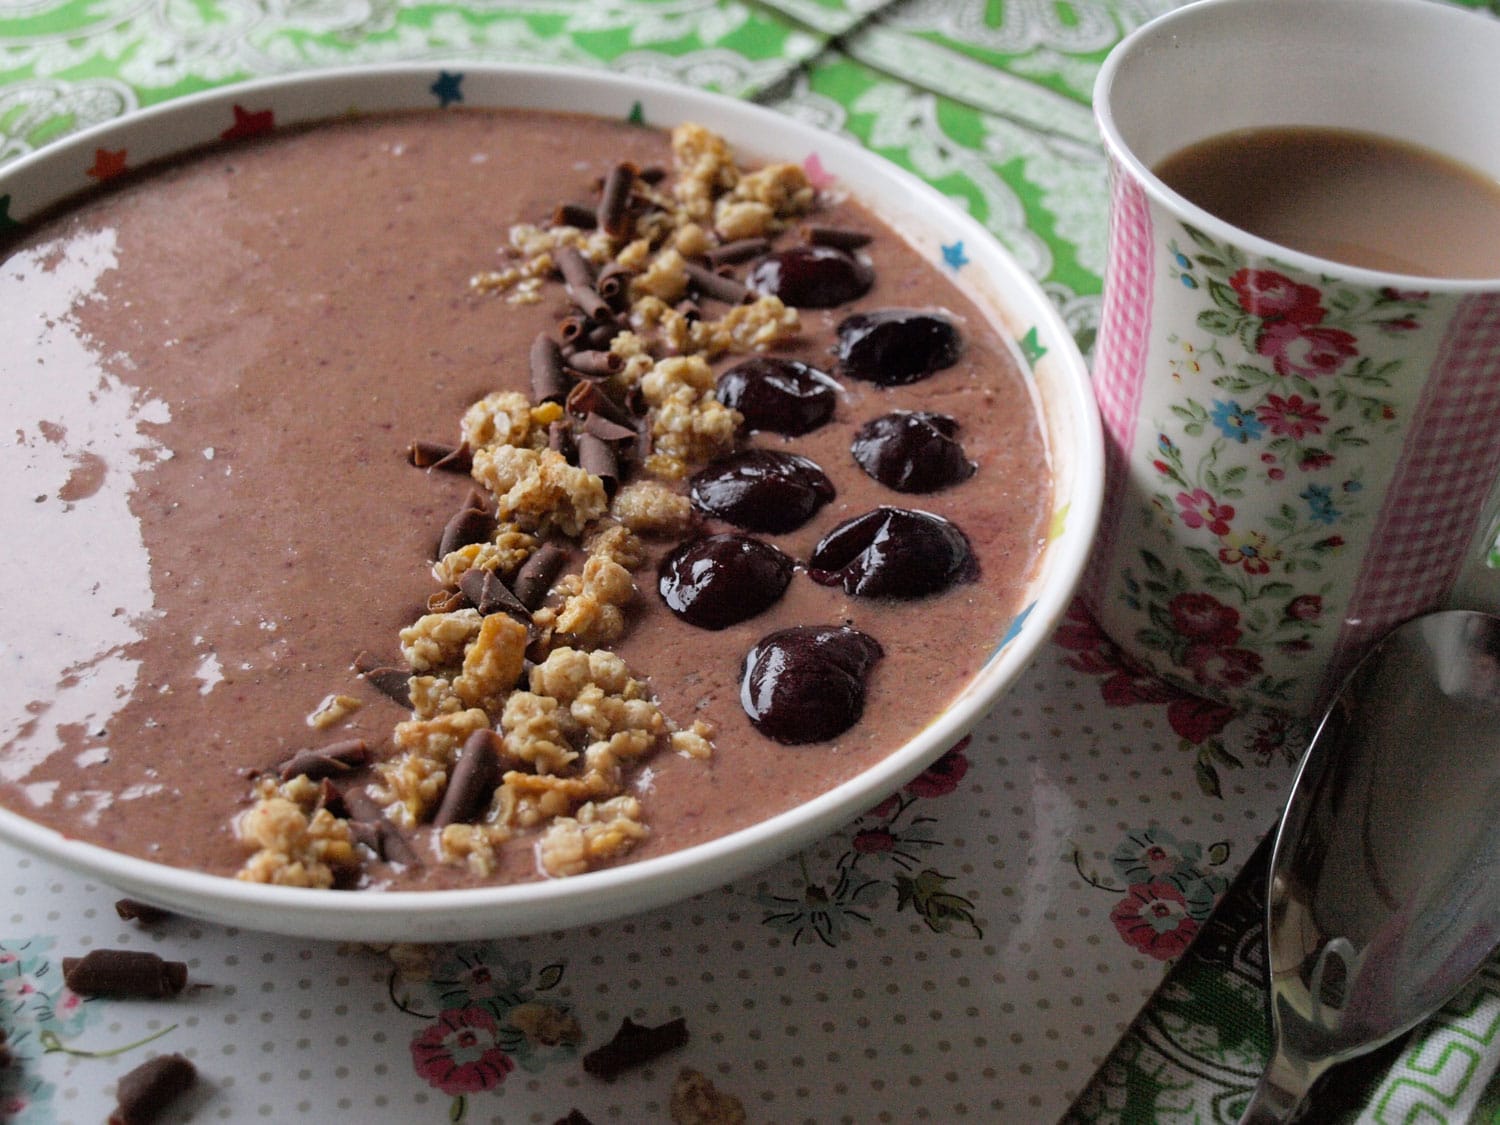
588, 398
549, 381
124, 973
435, 455
740, 250
470, 524
596, 364
578, 279
634, 1045
716, 285
652, 174
606, 430
559, 438
488, 594
840, 237
133, 910
578, 215
145, 1092
614, 203
393, 683
328, 761
379, 834
597, 456
613, 284
535, 577
689, 309
472, 783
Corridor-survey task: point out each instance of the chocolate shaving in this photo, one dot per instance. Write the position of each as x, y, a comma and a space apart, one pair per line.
597, 456
634, 1045
471, 786
444, 601
841, 237
589, 398
487, 593
579, 215
606, 430
574, 1117
595, 363
144, 1093
327, 761
578, 279
124, 973
376, 832
470, 524
535, 577
559, 438
614, 202
435, 455
652, 174
613, 284
549, 381
740, 250
133, 910
393, 683
716, 285
330, 797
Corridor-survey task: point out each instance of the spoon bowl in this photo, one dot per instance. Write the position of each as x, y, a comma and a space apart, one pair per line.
1384, 894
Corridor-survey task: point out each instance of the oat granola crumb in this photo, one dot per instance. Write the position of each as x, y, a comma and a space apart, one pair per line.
650, 507
333, 710
538, 489
697, 1101
571, 845
297, 844
545, 1024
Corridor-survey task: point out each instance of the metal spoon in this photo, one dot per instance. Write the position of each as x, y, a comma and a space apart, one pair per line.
1384, 896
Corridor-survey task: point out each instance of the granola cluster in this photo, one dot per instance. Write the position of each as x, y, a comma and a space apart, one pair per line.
522, 718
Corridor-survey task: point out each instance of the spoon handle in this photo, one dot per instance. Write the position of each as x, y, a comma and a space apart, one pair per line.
1279, 1092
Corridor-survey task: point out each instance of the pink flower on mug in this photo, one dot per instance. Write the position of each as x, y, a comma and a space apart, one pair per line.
1199, 509
1250, 549
1292, 417
1203, 618
1305, 350
1274, 296
1222, 667
459, 1052
1154, 918
1304, 607
943, 776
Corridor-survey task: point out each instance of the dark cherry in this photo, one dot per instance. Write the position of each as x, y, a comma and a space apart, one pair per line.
716, 581
895, 346
811, 277
893, 553
784, 396
912, 451
807, 684
762, 490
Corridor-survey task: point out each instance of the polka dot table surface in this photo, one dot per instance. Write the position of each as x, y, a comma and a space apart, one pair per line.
976, 947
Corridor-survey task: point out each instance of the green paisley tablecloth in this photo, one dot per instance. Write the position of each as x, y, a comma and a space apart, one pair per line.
979, 946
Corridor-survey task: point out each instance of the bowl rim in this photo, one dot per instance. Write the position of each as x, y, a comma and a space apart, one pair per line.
632, 887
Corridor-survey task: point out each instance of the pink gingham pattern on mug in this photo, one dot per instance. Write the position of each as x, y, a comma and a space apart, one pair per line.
1449, 464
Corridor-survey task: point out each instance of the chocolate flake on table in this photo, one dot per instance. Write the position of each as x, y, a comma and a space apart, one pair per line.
436, 455
634, 1045
333, 760
146, 1092
475, 775
134, 910
574, 1117
124, 973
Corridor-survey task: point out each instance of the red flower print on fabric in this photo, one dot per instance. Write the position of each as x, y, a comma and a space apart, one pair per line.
459, 1052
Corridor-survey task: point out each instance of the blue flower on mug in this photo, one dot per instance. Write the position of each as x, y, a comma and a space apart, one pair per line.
1236, 422
1320, 507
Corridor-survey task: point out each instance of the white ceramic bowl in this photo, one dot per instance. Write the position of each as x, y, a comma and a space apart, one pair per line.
928, 219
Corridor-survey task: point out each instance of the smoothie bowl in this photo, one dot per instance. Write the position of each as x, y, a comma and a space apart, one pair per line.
449, 503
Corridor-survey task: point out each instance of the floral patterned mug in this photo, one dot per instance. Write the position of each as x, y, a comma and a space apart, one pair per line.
1301, 454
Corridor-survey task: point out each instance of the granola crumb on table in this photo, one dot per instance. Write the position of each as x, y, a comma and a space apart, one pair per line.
569, 716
